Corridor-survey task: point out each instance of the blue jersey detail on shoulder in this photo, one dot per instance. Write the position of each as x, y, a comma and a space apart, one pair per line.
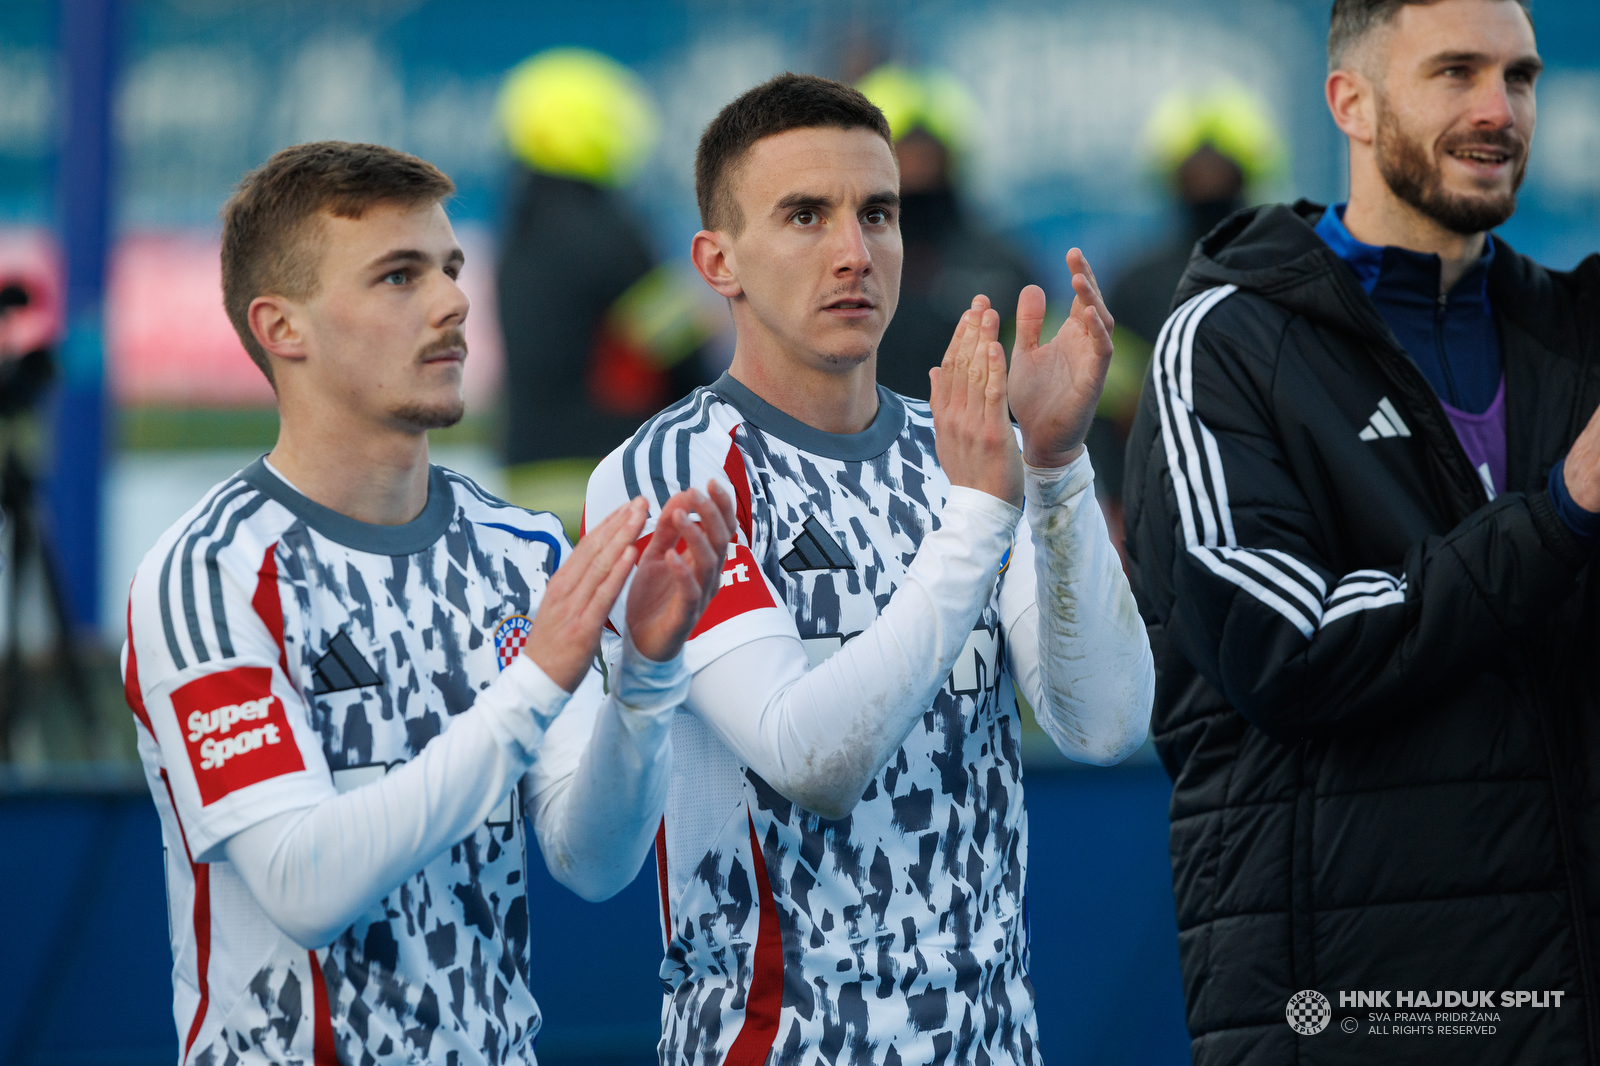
538, 535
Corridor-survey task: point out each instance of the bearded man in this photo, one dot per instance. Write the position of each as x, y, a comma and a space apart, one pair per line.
1363, 497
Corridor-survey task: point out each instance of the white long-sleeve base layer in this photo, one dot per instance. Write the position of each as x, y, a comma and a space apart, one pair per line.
846, 833
1075, 644
340, 709
594, 771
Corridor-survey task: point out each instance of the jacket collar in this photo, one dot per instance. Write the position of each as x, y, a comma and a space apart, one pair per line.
1274, 252
1400, 275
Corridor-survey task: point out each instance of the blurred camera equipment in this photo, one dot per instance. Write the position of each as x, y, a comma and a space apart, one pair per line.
23, 380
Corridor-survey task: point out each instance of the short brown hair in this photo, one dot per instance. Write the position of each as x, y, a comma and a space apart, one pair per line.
267, 225
787, 102
1351, 20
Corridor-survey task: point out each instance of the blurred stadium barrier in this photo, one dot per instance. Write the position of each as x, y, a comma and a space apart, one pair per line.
1104, 942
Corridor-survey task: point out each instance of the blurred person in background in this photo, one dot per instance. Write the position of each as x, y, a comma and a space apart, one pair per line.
949, 254
1363, 508
597, 334
1209, 149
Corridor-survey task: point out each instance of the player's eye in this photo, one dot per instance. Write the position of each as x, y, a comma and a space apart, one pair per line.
876, 216
804, 217
396, 277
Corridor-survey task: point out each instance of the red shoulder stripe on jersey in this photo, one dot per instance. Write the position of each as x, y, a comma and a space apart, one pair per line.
267, 603
661, 880
201, 873
202, 946
130, 681
583, 530
763, 1003
323, 1052
733, 466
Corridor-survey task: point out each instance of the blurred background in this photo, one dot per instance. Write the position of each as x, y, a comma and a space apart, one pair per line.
1023, 128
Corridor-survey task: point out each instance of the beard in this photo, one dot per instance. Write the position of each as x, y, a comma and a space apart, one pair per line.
849, 359
1415, 177
420, 417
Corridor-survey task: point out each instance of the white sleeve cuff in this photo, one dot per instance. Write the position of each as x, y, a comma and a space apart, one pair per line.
1054, 485
991, 510
643, 684
522, 703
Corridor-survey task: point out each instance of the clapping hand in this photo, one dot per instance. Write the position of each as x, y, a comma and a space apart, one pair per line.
971, 423
1055, 387
565, 634
680, 570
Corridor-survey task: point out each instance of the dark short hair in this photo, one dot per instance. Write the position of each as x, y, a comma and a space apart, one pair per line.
787, 102
269, 223
1352, 20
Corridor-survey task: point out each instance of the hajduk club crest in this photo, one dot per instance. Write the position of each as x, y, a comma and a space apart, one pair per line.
509, 637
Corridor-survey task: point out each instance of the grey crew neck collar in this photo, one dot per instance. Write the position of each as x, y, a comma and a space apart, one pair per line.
847, 447
415, 536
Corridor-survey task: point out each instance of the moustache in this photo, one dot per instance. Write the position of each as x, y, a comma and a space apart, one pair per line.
1508, 141
865, 291
455, 338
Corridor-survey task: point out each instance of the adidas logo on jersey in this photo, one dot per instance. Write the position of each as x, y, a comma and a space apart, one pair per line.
341, 668
815, 549
1385, 422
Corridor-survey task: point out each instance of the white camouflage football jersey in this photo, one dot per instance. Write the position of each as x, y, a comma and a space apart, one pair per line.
280, 653
897, 934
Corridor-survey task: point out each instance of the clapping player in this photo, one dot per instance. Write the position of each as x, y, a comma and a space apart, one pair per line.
844, 852
359, 678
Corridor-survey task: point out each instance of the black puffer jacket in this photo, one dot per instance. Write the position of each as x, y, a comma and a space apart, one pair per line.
1379, 692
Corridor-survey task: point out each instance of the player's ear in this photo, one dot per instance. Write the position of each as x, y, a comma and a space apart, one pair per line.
712, 253
1350, 100
275, 324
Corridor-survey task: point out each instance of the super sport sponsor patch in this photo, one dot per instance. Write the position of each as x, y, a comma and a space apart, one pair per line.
742, 590
235, 730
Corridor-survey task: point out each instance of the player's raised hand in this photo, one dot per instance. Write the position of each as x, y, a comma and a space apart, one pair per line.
680, 570
971, 422
1055, 387
566, 629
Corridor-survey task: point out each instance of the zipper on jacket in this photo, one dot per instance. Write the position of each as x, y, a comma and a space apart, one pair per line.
1440, 307
1403, 372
